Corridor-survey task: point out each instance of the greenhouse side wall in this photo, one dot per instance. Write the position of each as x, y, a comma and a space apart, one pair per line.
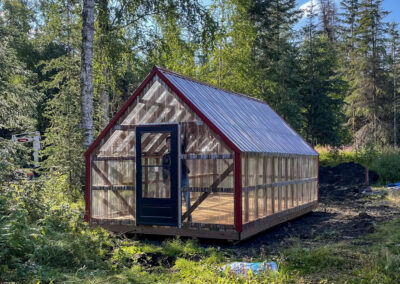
277, 185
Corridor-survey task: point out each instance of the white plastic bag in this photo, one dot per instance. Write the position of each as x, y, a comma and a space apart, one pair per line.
243, 268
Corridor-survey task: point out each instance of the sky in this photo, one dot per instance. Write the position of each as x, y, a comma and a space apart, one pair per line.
392, 6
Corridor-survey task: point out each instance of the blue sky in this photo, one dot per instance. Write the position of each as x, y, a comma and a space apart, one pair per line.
392, 6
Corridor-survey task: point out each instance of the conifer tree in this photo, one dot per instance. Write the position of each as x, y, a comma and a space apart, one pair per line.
18, 94
349, 19
63, 143
393, 68
322, 87
277, 57
369, 95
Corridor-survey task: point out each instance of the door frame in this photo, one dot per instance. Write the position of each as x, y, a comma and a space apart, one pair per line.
175, 197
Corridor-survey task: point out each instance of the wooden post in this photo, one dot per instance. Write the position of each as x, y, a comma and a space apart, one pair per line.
273, 179
279, 187
246, 183
264, 190
292, 178
256, 173
287, 186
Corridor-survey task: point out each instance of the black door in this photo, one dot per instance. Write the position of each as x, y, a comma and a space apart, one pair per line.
157, 175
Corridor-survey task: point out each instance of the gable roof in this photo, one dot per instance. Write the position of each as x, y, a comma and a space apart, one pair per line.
249, 124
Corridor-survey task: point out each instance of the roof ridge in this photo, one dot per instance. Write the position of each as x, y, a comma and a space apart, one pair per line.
212, 86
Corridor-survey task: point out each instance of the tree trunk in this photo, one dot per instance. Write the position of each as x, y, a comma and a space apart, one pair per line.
86, 71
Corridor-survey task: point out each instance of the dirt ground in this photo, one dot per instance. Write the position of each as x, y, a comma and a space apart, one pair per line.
343, 214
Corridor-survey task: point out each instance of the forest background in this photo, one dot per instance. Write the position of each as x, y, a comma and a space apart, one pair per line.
333, 76
331, 70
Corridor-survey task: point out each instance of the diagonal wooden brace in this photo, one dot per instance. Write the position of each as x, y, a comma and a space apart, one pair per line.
106, 180
206, 194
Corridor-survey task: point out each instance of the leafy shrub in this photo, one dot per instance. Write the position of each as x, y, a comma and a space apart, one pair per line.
387, 165
384, 161
40, 228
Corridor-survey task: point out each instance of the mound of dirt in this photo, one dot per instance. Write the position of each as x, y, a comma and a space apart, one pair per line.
346, 174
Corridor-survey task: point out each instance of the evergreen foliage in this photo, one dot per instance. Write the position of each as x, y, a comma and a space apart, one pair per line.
63, 144
18, 92
277, 57
322, 87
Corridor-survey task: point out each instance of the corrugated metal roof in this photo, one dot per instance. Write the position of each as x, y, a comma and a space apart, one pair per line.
248, 122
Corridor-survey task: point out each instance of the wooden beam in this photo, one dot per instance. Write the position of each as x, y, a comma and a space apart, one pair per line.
256, 173
205, 194
206, 156
114, 158
101, 174
113, 187
273, 179
208, 189
246, 194
277, 184
265, 191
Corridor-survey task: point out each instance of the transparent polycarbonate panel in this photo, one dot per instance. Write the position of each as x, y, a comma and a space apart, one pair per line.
158, 104
113, 172
156, 174
206, 175
117, 204
121, 143
204, 172
261, 197
217, 208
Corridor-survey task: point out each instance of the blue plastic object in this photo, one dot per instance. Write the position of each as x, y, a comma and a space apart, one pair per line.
243, 268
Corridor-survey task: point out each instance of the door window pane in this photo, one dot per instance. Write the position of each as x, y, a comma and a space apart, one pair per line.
156, 165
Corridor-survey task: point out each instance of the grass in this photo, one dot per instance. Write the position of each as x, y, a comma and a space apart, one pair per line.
384, 161
43, 239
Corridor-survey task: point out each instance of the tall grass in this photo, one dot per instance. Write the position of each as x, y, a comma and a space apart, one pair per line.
384, 161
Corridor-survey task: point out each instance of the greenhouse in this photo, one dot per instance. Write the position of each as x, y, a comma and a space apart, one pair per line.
185, 158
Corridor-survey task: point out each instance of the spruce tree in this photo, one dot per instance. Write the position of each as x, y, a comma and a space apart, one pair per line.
349, 19
322, 86
393, 68
369, 94
63, 143
277, 57
18, 94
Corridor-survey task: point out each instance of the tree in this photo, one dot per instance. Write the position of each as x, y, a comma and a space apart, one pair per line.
230, 62
369, 96
349, 19
393, 64
322, 87
19, 95
86, 71
63, 143
328, 17
277, 57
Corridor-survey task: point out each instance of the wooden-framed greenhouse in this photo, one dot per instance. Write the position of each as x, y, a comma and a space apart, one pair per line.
185, 158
